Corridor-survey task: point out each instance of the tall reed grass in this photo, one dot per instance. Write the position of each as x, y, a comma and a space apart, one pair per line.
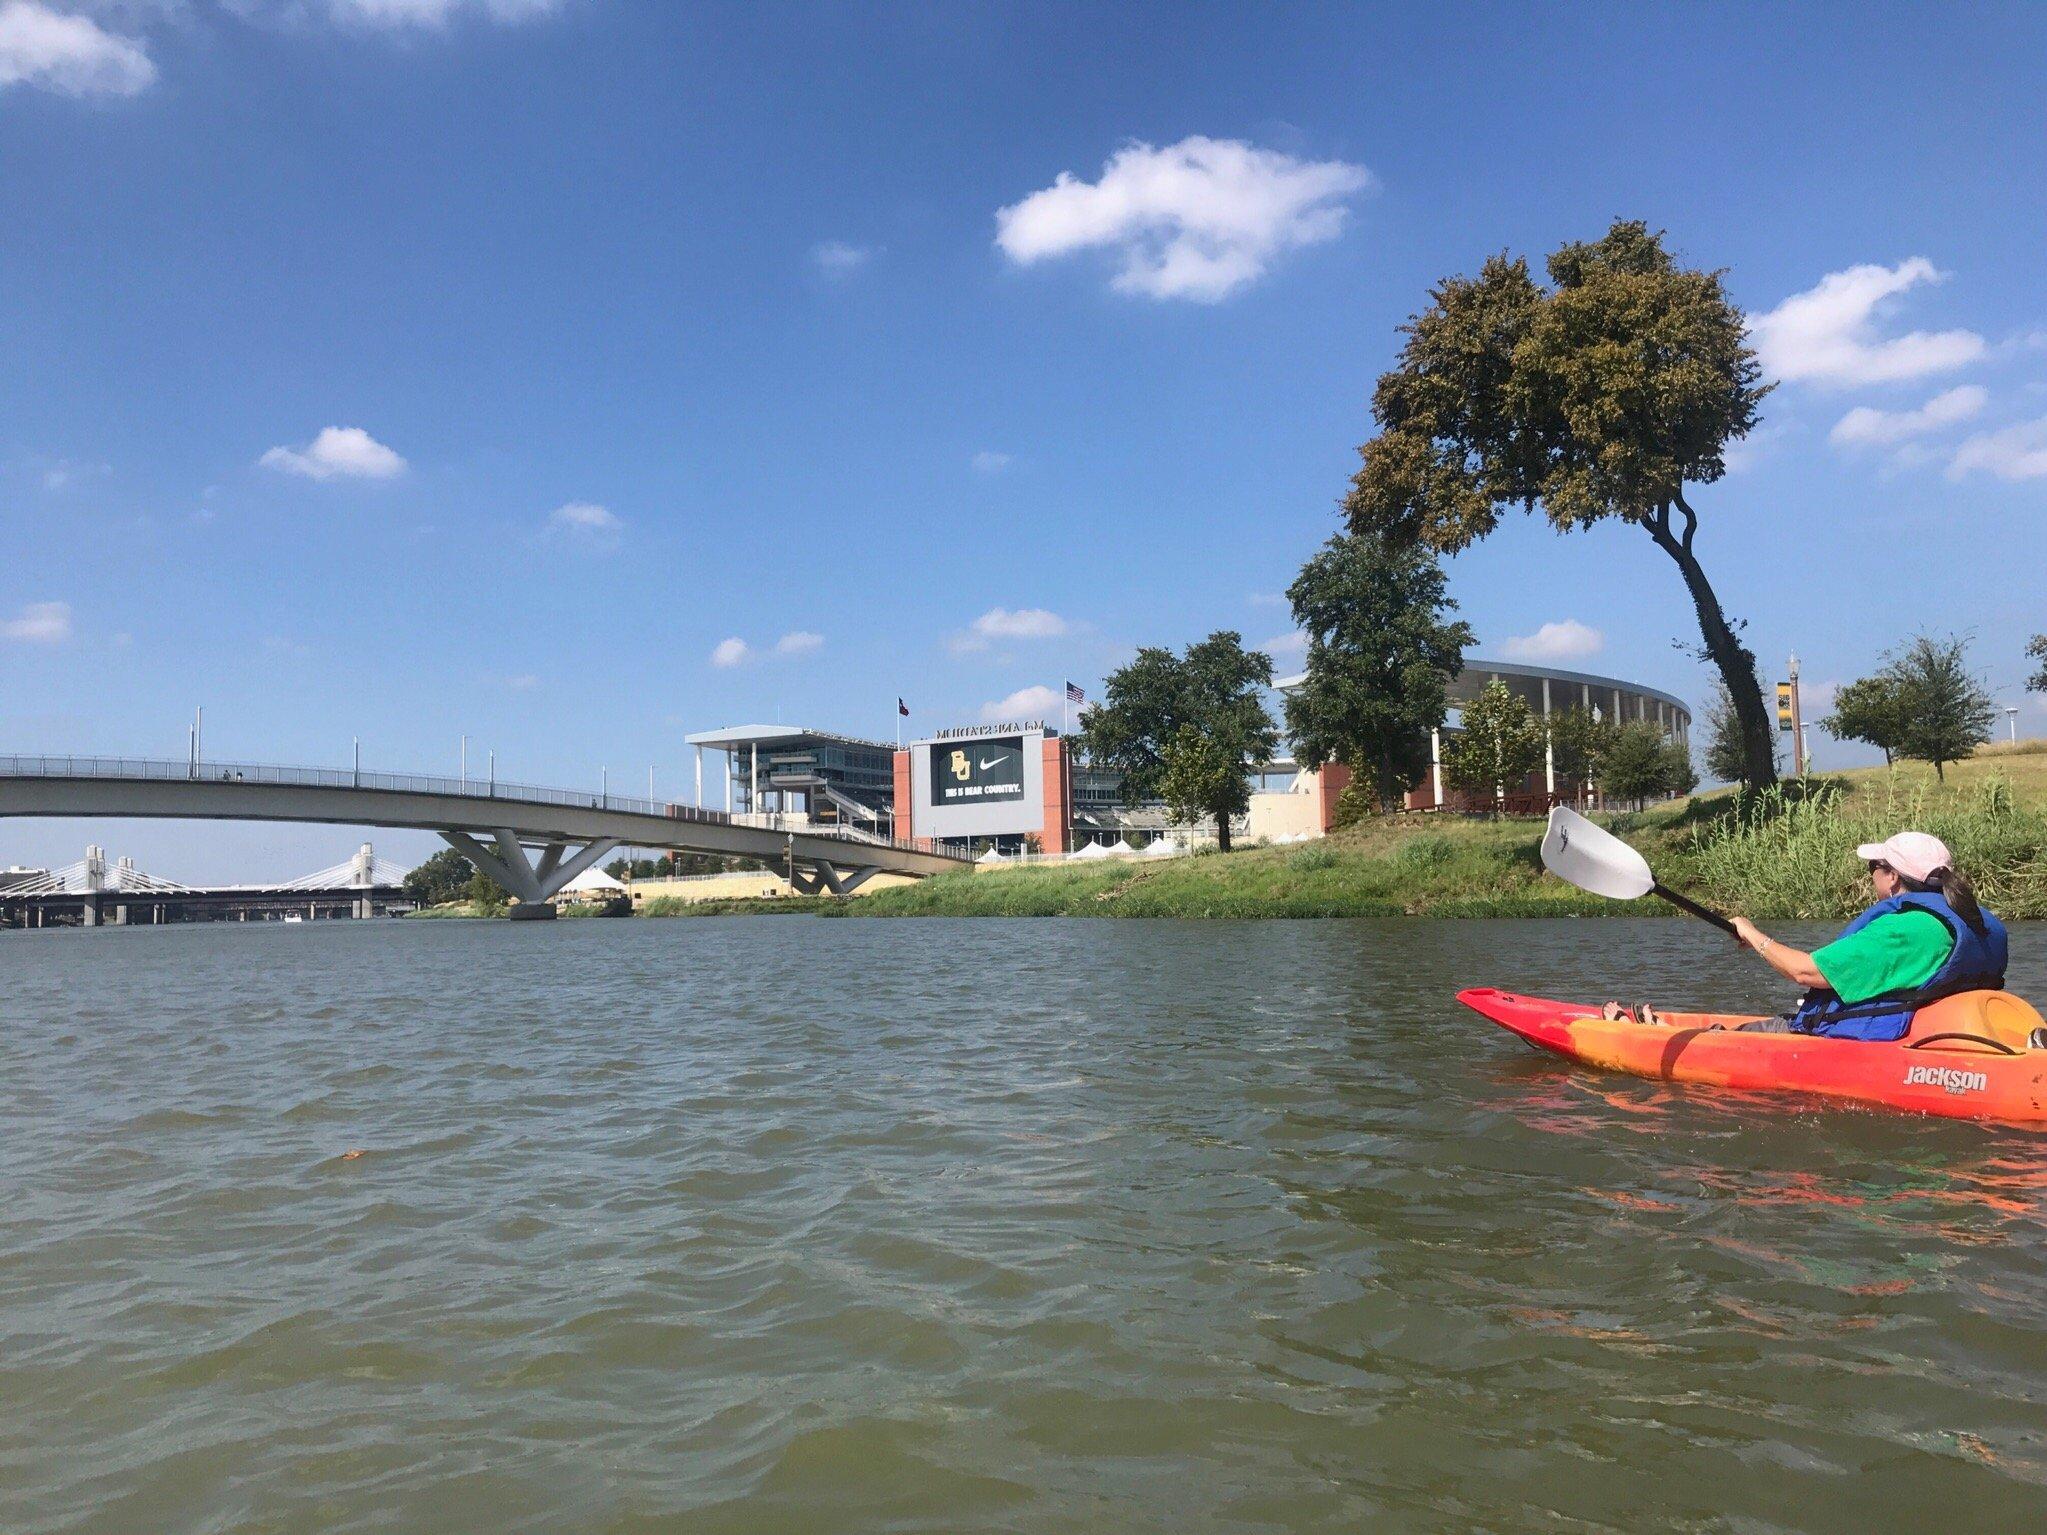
1782, 855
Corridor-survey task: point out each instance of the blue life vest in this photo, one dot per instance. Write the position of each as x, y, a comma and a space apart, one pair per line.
1975, 963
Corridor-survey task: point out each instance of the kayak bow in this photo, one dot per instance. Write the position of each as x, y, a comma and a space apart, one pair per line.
1968, 1057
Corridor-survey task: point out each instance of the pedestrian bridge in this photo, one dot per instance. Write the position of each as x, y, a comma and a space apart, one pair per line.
530, 840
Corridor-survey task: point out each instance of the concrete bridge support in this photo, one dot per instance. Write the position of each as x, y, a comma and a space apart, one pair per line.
822, 877
532, 883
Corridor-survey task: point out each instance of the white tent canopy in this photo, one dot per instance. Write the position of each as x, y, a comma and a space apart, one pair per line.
1094, 850
991, 856
591, 879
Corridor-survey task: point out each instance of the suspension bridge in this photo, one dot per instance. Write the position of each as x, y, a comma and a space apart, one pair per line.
93, 891
531, 840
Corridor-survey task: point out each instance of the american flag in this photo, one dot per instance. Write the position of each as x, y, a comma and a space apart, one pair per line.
1074, 695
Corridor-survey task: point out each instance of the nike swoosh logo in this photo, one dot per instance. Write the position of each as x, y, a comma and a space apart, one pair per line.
989, 762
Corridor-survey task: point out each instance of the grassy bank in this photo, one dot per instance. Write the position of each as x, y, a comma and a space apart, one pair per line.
1777, 857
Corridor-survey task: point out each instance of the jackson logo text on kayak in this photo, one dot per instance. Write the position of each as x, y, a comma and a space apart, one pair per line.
1946, 1076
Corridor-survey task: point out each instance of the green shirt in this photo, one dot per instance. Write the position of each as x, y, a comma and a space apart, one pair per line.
1897, 951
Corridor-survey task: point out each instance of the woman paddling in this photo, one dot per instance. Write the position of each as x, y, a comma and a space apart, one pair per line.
1924, 938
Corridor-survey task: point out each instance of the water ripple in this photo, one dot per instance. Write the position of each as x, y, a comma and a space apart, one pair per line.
795, 1225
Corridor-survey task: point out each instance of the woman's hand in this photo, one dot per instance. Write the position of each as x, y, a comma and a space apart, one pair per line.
1793, 964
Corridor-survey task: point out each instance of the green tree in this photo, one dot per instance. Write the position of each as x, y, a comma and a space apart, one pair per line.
1498, 742
1600, 396
1640, 763
1680, 773
442, 878
1726, 753
1380, 651
1577, 741
485, 894
1199, 775
1874, 709
1218, 688
1948, 713
2036, 650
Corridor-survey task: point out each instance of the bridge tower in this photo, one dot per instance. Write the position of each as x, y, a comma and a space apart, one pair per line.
95, 878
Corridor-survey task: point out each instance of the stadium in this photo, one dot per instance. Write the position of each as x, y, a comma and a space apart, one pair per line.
1017, 786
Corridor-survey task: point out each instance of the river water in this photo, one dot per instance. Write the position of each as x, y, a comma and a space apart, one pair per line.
807, 1225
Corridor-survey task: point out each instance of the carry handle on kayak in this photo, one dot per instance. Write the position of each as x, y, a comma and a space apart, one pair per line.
1594, 859
1976, 1039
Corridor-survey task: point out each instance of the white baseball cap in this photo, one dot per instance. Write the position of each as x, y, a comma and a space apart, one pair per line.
1914, 854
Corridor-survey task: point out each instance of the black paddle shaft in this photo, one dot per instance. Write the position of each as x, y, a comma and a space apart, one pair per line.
1686, 903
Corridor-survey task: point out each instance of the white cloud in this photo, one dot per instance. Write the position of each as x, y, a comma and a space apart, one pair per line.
1563, 640
70, 54
736, 652
1290, 644
586, 523
40, 623
1268, 599
1009, 624
338, 452
1744, 453
1825, 335
1865, 426
1032, 703
1021, 624
987, 461
2015, 453
436, 13
837, 258
1195, 220
67, 474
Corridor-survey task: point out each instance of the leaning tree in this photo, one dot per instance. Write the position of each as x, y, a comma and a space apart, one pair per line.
1602, 395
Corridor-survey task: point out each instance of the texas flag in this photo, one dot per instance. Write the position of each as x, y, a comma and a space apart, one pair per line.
902, 708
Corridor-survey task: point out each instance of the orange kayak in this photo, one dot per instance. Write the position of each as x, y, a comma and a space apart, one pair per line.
1968, 1057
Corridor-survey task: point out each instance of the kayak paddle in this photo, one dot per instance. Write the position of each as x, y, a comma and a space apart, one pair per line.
1594, 859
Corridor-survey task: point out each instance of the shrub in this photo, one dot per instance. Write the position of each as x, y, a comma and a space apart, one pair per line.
1426, 852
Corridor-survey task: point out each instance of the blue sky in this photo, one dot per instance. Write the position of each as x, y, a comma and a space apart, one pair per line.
410, 368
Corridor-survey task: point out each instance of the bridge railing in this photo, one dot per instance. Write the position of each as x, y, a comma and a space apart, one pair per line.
164, 770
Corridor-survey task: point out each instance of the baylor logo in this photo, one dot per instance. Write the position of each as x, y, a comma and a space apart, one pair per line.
960, 767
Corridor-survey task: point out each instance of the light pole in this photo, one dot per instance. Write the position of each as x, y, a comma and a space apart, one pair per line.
1797, 726
2011, 715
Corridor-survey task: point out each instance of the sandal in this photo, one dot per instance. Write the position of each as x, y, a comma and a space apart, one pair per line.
1641, 1013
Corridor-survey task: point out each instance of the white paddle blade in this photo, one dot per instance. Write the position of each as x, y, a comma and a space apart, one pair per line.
1592, 858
